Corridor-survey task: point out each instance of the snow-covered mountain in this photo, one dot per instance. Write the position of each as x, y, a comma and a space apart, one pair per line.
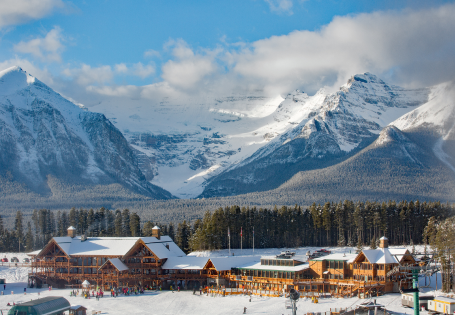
435, 122
186, 145
43, 134
330, 128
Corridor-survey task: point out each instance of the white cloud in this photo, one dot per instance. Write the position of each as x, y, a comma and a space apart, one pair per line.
280, 6
13, 12
86, 75
48, 48
143, 71
151, 53
412, 45
121, 68
188, 68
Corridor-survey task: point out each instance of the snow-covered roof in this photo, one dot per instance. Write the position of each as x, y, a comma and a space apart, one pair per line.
384, 238
156, 227
338, 256
444, 299
229, 262
75, 307
258, 266
398, 253
188, 263
34, 253
117, 263
380, 256
116, 246
71, 228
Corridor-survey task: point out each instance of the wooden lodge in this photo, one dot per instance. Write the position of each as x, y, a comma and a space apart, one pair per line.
157, 262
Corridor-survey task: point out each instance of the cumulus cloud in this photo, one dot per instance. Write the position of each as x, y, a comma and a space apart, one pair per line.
13, 12
48, 48
407, 46
412, 48
86, 75
188, 68
151, 53
280, 6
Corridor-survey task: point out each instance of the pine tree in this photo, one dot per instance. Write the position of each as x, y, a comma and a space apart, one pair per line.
118, 223
147, 228
18, 228
135, 225
373, 243
65, 223
29, 244
126, 222
359, 246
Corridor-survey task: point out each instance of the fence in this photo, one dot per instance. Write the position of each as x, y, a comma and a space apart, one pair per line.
13, 264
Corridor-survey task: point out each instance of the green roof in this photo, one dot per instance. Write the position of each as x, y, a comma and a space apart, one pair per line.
46, 306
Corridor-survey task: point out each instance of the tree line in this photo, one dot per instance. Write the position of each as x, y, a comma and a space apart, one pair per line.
331, 224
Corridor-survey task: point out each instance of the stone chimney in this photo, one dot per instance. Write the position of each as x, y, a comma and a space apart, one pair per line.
156, 232
383, 242
71, 231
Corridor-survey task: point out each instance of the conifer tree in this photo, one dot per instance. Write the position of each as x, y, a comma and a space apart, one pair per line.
135, 224
126, 222
118, 223
18, 228
29, 244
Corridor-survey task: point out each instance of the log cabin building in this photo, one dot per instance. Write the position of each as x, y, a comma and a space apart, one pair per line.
158, 262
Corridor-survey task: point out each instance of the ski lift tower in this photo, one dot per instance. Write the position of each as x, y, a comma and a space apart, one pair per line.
414, 271
293, 298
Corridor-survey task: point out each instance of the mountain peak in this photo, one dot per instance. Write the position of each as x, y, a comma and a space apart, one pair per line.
364, 78
13, 79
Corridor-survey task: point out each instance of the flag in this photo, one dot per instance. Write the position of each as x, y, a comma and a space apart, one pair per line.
229, 233
241, 231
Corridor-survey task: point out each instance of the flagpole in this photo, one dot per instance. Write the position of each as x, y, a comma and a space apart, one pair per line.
253, 239
229, 237
241, 239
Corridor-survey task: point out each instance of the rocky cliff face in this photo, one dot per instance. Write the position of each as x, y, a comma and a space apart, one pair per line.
331, 129
42, 134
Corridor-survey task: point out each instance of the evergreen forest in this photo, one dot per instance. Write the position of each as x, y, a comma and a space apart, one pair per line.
331, 224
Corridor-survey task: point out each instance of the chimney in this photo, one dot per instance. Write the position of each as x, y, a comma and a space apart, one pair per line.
383, 242
156, 232
71, 231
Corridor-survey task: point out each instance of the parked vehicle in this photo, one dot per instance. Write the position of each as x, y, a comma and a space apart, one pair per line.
14, 259
26, 260
4, 259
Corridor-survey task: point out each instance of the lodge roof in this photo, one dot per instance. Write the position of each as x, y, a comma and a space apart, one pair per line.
117, 263
258, 266
185, 263
116, 246
338, 256
382, 255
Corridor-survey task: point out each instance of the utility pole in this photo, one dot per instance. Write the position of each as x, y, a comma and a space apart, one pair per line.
253, 239
241, 239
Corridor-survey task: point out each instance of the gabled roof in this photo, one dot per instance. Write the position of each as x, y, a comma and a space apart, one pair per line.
379, 256
115, 246
117, 263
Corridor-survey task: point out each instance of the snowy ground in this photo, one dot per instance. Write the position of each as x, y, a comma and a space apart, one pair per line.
185, 302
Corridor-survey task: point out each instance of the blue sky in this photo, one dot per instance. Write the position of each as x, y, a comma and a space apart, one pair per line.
150, 49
